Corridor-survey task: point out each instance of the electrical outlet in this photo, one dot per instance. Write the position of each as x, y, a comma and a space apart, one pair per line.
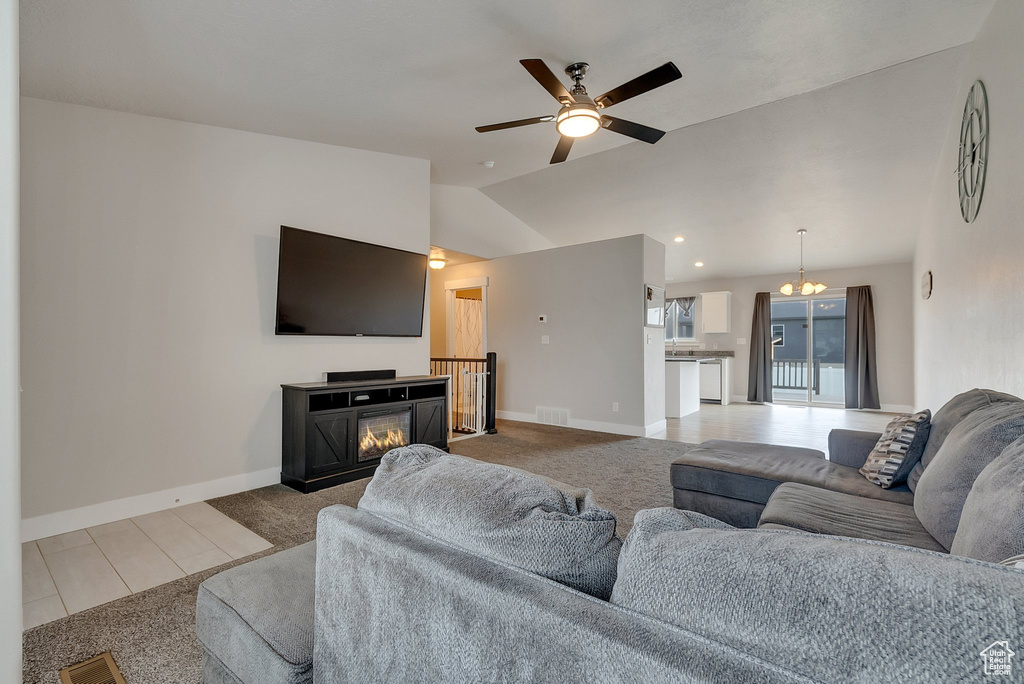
615, 407
703, 346
741, 340
544, 339
543, 318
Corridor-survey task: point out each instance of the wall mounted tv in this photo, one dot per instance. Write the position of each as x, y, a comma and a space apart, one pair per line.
328, 285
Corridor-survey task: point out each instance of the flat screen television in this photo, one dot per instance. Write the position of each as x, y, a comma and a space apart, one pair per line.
328, 285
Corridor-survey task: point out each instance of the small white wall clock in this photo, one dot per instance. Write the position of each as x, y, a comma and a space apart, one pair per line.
972, 161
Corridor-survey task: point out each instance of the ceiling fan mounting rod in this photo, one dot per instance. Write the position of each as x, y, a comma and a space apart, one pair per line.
577, 71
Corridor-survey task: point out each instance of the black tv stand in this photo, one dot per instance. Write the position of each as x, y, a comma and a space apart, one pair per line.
335, 432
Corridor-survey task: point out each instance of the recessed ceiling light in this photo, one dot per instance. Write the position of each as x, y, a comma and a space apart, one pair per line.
679, 238
487, 164
698, 264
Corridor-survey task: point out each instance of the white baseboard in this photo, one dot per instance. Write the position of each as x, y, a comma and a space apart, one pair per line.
593, 425
108, 511
655, 428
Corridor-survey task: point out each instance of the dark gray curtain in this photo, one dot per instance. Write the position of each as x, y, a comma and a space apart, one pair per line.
759, 383
861, 369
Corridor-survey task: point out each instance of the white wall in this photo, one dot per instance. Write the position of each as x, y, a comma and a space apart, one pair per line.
891, 291
468, 221
592, 295
971, 332
654, 342
10, 513
149, 261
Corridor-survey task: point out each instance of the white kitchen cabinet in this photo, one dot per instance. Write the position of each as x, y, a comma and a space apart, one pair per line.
716, 312
682, 388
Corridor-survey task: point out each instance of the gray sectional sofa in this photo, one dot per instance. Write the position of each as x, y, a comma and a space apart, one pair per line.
945, 506
452, 570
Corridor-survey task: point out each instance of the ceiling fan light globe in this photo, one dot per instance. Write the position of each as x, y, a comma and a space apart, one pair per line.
576, 121
437, 264
786, 289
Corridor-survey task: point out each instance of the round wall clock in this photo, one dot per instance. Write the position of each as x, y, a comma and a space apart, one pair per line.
973, 158
926, 285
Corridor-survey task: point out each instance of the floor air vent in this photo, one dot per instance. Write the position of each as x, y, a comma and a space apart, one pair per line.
98, 670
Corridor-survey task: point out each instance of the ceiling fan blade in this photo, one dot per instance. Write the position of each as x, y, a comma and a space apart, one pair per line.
655, 78
540, 71
562, 149
513, 124
633, 130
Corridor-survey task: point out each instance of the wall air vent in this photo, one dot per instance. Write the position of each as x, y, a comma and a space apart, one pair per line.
552, 416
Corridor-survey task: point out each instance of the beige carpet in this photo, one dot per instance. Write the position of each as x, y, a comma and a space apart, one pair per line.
151, 634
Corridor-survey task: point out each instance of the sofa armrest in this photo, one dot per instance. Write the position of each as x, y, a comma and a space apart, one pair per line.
851, 447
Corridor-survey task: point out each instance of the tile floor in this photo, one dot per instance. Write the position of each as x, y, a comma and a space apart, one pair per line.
78, 570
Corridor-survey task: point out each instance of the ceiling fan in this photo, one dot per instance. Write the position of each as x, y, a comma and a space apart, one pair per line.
580, 115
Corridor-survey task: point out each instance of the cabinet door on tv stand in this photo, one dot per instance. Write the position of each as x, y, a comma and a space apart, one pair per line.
329, 446
431, 423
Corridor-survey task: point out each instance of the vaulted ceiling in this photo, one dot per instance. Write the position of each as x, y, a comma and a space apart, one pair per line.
825, 114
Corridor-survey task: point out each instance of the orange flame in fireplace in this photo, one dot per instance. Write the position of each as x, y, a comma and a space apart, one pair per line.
375, 443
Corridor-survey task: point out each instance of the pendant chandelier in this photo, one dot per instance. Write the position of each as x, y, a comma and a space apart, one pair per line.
804, 287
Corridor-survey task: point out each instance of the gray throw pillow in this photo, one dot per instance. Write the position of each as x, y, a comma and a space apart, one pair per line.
898, 450
969, 448
533, 523
948, 417
992, 524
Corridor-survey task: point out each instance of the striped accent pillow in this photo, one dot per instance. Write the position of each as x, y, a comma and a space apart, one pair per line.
899, 449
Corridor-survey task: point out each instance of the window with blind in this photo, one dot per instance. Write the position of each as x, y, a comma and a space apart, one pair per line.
680, 324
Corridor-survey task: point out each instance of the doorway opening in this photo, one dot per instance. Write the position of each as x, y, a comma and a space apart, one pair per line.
808, 350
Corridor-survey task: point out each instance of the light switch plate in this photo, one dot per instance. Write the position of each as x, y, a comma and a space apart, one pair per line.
544, 339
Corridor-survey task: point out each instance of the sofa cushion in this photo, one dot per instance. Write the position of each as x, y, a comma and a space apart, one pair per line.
948, 417
992, 523
974, 443
751, 472
735, 512
256, 619
824, 606
812, 509
534, 523
898, 449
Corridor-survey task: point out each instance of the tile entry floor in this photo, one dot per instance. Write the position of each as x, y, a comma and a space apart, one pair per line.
70, 572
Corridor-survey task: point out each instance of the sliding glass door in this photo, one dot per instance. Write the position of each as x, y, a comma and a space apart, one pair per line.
808, 346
